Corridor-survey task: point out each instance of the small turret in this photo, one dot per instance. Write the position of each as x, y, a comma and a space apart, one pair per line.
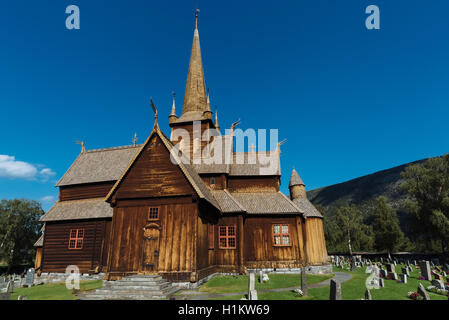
173, 117
296, 186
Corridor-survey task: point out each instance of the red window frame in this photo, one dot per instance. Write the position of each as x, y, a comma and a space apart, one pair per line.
76, 239
227, 237
282, 235
153, 213
211, 236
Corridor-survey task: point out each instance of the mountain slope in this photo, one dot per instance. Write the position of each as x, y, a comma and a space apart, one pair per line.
363, 191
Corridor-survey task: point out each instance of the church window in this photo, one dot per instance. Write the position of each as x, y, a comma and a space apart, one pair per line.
281, 235
211, 236
153, 213
76, 239
227, 237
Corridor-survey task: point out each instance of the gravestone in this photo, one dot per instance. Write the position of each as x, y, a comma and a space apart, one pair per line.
251, 281
405, 271
423, 292
22, 298
368, 295
390, 268
260, 276
252, 295
335, 292
404, 278
381, 283
438, 276
425, 270
438, 284
383, 273
10, 287
444, 274
304, 287
29, 277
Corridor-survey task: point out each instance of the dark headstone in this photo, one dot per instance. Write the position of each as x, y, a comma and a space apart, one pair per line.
335, 292
425, 270
304, 287
423, 292
438, 284
381, 283
29, 278
368, 295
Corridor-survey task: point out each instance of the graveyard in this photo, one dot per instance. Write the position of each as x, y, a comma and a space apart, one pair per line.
353, 278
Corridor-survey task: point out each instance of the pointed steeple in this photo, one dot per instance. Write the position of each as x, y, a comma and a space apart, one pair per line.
195, 98
295, 179
172, 117
296, 186
217, 125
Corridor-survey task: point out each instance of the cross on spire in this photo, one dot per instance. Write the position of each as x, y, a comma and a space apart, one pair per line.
197, 11
135, 139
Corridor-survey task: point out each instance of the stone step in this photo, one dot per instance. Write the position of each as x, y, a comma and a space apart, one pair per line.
122, 297
138, 283
141, 278
138, 287
128, 292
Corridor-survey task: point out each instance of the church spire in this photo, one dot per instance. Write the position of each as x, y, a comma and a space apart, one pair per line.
217, 126
172, 117
195, 98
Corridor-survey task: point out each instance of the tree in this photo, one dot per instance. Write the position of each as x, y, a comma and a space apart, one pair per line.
19, 230
351, 233
428, 186
387, 233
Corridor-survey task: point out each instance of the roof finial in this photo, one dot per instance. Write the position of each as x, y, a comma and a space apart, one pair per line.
217, 126
196, 18
173, 108
83, 149
155, 112
135, 139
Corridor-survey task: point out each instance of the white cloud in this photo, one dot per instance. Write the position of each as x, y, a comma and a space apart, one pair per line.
46, 174
10, 168
13, 169
48, 199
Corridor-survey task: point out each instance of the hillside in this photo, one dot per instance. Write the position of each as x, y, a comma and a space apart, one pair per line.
363, 191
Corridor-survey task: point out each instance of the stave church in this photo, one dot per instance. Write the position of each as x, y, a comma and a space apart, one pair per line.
153, 208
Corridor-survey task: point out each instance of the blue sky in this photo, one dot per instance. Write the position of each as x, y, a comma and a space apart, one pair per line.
349, 101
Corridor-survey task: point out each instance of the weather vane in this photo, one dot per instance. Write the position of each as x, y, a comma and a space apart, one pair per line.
135, 139
83, 149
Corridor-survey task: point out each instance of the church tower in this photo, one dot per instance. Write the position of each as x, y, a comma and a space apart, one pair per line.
296, 186
196, 106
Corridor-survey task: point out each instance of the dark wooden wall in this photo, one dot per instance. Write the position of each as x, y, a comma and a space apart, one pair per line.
85, 191
259, 249
252, 184
178, 220
57, 256
154, 175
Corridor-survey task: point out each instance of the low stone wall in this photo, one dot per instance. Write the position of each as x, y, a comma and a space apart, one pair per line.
61, 277
324, 269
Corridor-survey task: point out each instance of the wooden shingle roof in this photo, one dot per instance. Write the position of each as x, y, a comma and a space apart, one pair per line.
266, 203
39, 242
307, 207
79, 209
99, 165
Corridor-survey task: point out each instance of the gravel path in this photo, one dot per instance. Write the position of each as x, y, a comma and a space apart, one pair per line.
197, 295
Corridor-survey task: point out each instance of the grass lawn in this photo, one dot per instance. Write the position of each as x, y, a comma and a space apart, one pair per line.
54, 291
354, 289
229, 284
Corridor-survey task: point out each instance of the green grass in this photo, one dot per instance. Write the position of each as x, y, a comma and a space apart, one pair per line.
229, 284
354, 289
54, 291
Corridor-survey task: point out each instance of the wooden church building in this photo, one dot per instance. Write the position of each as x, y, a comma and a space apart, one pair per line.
149, 208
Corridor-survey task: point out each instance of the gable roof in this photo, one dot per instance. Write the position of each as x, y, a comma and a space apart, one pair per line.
187, 169
79, 209
309, 209
99, 165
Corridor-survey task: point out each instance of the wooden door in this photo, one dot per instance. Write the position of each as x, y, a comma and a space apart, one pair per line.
150, 257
